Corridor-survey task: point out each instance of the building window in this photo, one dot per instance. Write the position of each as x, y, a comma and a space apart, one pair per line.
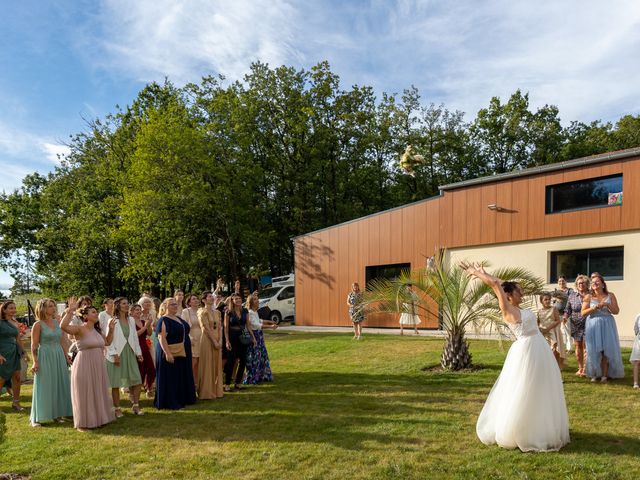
389, 272
583, 194
571, 263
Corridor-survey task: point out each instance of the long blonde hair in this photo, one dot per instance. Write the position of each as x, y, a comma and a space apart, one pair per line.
41, 308
162, 310
249, 301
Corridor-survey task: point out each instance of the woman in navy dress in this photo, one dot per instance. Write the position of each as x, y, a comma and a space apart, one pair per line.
175, 387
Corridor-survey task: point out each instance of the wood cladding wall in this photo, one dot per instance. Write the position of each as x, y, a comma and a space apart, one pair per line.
327, 262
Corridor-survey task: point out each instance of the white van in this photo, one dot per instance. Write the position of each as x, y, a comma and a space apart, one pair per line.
284, 280
281, 300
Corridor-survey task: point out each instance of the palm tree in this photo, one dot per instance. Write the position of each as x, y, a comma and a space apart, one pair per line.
447, 292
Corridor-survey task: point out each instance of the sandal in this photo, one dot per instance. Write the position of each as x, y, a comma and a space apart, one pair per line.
226, 388
118, 412
36, 424
135, 408
17, 407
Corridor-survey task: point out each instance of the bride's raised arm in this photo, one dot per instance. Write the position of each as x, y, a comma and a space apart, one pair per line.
495, 283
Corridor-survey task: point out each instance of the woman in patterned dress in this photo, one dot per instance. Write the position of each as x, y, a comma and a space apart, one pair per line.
573, 312
354, 299
258, 366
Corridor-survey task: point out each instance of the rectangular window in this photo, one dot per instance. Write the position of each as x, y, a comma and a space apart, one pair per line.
570, 263
385, 271
584, 194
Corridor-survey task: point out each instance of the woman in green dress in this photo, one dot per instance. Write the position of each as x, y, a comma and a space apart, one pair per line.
122, 366
10, 353
51, 399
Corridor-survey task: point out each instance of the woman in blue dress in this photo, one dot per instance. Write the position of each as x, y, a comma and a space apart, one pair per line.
175, 387
604, 359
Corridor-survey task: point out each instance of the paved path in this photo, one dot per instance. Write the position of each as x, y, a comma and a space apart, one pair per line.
624, 342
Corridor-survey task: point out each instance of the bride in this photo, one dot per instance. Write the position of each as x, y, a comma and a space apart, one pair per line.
526, 407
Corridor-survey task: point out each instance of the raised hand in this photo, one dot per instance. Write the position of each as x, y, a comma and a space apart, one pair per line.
73, 303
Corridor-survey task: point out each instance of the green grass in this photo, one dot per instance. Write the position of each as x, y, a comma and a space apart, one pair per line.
338, 409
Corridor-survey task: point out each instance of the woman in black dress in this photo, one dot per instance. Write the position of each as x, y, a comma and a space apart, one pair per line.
235, 322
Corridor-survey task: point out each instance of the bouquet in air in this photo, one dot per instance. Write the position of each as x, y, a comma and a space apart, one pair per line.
409, 160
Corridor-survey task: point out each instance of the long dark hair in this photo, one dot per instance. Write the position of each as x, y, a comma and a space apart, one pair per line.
116, 306
3, 309
82, 313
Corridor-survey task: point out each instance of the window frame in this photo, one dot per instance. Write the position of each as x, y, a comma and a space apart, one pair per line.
553, 273
401, 266
548, 194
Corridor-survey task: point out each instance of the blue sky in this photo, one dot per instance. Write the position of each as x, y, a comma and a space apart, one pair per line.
62, 62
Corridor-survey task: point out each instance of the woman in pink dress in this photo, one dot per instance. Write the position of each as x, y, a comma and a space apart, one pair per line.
90, 392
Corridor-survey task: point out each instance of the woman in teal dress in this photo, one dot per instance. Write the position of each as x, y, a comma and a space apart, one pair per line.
10, 353
51, 399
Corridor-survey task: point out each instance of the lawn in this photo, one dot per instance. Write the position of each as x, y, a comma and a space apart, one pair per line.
338, 409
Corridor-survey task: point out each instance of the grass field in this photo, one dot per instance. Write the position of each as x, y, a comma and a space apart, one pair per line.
338, 409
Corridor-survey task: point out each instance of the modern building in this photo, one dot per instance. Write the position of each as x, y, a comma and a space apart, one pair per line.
566, 218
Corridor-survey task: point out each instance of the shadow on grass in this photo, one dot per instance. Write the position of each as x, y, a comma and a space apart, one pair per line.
603, 443
346, 410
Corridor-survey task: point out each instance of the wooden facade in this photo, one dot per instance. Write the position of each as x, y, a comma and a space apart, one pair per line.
328, 261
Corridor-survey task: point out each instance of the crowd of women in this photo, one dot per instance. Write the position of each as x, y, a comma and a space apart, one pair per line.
588, 312
185, 348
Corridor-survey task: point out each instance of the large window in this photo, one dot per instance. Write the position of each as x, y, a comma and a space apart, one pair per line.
583, 194
385, 271
570, 263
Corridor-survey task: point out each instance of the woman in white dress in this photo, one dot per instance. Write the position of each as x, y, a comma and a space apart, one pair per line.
409, 317
526, 408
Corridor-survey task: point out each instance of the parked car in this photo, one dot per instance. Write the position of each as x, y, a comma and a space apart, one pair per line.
281, 301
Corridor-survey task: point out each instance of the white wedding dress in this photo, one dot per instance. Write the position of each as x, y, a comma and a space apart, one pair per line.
526, 407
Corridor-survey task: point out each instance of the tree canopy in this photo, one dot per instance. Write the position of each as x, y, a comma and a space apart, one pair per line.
216, 178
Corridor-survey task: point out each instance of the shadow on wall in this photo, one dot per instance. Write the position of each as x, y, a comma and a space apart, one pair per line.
310, 252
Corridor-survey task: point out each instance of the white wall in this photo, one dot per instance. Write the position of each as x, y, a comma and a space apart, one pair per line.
535, 256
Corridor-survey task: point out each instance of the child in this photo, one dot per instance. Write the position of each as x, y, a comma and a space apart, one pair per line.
635, 353
549, 322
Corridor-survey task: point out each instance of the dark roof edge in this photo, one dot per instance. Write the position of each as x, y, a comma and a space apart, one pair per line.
603, 157
424, 200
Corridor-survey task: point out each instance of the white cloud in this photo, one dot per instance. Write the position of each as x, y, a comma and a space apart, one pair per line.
150, 39
55, 152
579, 55
23, 152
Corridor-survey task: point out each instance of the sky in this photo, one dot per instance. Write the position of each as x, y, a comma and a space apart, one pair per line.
63, 63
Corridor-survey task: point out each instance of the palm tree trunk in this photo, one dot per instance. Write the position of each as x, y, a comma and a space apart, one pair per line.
455, 354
